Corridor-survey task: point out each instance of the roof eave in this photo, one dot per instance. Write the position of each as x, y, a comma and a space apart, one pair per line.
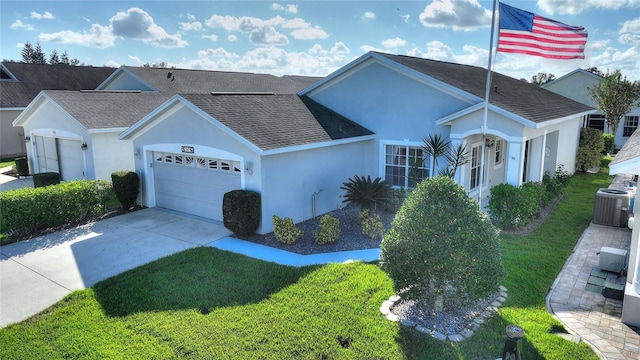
317, 145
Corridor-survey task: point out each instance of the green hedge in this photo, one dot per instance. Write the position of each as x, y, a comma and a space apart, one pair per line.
24, 211
126, 185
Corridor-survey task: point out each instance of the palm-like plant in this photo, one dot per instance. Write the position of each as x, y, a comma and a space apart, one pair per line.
456, 158
436, 146
366, 193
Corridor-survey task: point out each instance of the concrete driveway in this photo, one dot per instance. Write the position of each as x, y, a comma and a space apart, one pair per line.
37, 273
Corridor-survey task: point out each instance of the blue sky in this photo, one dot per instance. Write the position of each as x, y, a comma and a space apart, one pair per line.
308, 37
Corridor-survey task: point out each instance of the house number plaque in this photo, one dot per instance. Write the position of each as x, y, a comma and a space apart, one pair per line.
187, 149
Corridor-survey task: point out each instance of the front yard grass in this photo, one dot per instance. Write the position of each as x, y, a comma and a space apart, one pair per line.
207, 303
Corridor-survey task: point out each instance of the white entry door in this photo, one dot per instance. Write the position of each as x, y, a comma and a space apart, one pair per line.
192, 184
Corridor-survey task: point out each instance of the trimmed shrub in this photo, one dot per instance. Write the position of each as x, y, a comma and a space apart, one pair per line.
30, 209
22, 166
442, 248
126, 185
606, 160
510, 206
241, 211
45, 179
329, 230
609, 140
285, 230
366, 193
371, 226
589, 149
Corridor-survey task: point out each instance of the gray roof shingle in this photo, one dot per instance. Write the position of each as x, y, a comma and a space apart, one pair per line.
277, 121
105, 109
183, 81
33, 78
630, 149
516, 96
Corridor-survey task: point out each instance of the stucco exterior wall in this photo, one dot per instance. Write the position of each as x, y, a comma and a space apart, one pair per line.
108, 154
392, 105
291, 179
126, 82
576, 87
12, 138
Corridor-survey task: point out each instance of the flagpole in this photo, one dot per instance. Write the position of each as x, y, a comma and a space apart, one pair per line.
486, 107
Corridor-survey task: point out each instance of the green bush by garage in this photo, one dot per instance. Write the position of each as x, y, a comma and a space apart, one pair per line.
241, 211
27, 210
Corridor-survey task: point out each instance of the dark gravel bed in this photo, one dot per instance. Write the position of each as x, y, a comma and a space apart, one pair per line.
351, 236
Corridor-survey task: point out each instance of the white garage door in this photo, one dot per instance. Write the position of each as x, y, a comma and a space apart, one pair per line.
192, 184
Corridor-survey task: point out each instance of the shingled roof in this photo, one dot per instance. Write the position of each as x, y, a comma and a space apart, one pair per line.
21, 82
183, 81
277, 121
516, 96
105, 109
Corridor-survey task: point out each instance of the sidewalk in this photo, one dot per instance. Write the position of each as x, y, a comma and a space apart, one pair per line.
10, 183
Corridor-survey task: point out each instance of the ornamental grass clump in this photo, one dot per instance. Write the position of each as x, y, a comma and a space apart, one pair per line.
329, 230
441, 248
285, 230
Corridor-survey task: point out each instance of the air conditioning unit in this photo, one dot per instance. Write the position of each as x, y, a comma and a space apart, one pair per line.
612, 259
611, 207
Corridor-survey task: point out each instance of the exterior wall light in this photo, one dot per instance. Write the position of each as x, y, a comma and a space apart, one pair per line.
27, 138
83, 146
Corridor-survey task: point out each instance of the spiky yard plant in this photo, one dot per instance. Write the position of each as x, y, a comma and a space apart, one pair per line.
366, 193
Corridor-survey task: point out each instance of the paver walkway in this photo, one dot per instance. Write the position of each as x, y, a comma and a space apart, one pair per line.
596, 319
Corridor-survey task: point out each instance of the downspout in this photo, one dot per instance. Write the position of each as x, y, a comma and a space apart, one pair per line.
313, 201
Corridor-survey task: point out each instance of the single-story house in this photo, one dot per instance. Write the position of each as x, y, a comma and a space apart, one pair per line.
296, 140
627, 161
20, 83
575, 85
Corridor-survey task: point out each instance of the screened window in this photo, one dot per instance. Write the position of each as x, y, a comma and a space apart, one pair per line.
596, 121
630, 125
405, 166
498, 151
476, 170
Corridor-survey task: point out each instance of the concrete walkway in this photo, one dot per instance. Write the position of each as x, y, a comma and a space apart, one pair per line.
588, 314
10, 183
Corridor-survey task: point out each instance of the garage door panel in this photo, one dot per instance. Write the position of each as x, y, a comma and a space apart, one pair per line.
192, 189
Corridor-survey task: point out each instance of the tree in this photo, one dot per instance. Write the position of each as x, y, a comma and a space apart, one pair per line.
594, 70
542, 78
54, 58
38, 55
436, 146
442, 249
614, 96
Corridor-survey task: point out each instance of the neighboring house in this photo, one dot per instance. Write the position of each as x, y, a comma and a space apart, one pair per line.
575, 85
627, 161
20, 83
296, 139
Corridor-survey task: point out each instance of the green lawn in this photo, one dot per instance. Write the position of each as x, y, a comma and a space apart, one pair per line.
5, 163
207, 303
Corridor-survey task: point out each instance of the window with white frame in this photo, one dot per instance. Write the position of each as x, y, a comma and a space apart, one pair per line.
476, 169
498, 152
405, 166
630, 125
596, 121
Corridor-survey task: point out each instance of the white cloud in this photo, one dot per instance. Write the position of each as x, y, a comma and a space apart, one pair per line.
191, 26
405, 18
136, 23
217, 53
309, 34
211, 37
340, 48
290, 8
264, 32
112, 64
394, 43
232, 38
86, 19
369, 15
19, 25
267, 35
465, 15
135, 58
632, 26
367, 48
578, 6
98, 37
46, 15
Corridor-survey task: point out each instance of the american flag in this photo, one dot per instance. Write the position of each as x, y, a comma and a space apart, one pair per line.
527, 33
